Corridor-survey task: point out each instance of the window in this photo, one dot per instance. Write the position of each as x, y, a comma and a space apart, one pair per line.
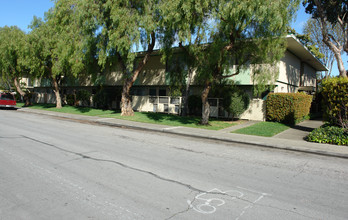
162, 92
175, 101
212, 102
137, 91
30, 83
6, 96
153, 100
176, 64
163, 100
153, 92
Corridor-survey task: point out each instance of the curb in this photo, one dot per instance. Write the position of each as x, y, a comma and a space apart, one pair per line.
173, 132
294, 149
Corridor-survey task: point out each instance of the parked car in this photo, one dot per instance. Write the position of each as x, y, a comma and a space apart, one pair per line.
7, 100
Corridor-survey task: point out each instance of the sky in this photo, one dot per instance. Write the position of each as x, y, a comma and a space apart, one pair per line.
21, 13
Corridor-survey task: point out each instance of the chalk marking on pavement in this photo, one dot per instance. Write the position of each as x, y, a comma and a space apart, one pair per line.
207, 207
253, 191
251, 205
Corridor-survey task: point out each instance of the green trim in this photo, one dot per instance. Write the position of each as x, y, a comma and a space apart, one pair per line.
287, 83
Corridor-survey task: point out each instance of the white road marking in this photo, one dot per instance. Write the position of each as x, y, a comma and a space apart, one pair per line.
204, 203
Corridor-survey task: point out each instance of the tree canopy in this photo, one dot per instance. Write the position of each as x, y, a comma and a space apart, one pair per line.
312, 29
332, 12
58, 46
121, 28
13, 43
221, 34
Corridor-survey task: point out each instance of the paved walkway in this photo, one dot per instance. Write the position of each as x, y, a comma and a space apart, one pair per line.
300, 131
291, 139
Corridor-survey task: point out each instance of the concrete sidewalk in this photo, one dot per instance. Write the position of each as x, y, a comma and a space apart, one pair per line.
291, 139
300, 131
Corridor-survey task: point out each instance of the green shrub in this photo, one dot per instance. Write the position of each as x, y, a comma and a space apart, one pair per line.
101, 99
329, 135
70, 99
289, 108
236, 102
84, 97
335, 101
195, 105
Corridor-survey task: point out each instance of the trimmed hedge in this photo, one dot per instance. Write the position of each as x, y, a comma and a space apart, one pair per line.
329, 135
335, 96
289, 108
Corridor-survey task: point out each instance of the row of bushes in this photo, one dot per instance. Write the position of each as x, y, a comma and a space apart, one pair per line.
83, 97
334, 92
329, 135
335, 97
288, 108
234, 102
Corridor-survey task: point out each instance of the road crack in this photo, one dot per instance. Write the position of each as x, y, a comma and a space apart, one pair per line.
189, 206
186, 185
83, 156
302, 169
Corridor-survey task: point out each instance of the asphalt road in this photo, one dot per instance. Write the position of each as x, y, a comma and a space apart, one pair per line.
52, 168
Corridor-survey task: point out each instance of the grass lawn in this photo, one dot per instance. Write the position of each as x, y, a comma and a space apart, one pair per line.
265, 129
146, 117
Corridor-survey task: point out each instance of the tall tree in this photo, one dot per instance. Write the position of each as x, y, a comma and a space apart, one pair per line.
334, 12
185, 26
12, 56
122, 27
58, 46
313, 30
231, 36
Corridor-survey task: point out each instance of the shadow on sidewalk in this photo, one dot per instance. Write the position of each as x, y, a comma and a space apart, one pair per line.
302, 128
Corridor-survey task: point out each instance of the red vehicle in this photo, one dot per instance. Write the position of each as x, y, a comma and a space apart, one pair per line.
7, 100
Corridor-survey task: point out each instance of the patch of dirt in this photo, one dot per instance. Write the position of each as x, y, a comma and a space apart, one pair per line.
236, 122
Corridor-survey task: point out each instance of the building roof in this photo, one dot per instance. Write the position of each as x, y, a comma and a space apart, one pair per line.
293, 45
301, 51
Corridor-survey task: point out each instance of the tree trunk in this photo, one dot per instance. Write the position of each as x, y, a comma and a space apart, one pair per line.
340, 65
338, 56
205, 104
186, 94
56, 92
21, 92
126, 103
330, 41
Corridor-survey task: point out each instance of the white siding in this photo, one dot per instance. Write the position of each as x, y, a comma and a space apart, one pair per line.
309, 76
289, 73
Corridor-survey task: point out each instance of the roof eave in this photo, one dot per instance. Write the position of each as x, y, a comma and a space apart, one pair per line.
301, 51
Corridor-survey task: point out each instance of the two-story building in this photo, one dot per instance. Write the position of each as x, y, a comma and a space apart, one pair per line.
297, 72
